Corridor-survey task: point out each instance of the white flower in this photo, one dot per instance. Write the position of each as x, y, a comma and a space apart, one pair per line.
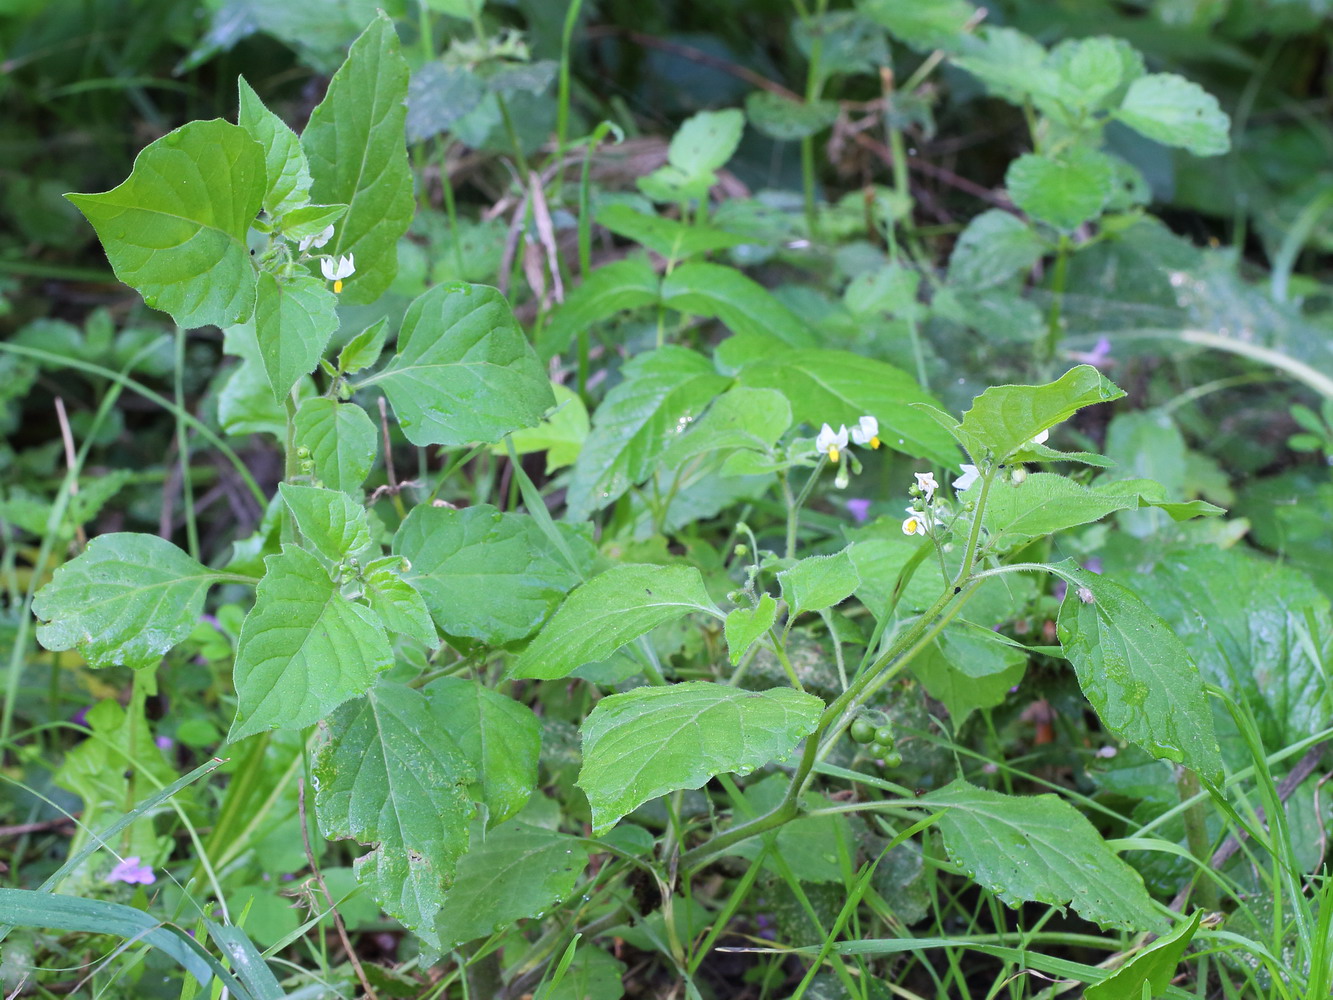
925, 482
317, 240
335, 271
965, 481
866, 432
830, 442
914, 525
1041, 438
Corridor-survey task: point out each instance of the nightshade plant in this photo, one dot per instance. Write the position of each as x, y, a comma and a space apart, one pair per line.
409, 656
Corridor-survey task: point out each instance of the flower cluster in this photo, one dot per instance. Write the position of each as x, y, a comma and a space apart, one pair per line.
832, 443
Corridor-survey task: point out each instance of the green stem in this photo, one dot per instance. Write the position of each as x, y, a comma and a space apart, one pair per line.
1196, 833
183, 450
1059, 278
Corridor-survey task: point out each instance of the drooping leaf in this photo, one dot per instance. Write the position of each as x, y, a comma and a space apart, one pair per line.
744, 626
392, 778
519, 871
781, 118
357, 149
438, 96
341, 439
175, 229
1005, 418
837, 387
653, 740
1041, 849
1136, 672
397, 603
1064, 192
1154, 967
625, 284
610, 610
819, 582
293, 322
484, 574
501, 737
329, 520
464, 371
286, 170
126, 599
739, 302
662, 392
706, 141
668, 238
304, 648
1176, 112
968, 668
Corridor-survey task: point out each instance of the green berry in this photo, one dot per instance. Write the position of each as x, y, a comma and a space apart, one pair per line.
862, 731
878, 749
892, 759
884, 734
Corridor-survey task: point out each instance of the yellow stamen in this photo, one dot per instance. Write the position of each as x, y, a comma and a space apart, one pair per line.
833, 454
338, 286
874, 442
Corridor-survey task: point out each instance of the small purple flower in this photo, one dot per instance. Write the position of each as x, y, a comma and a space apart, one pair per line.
1094, 565
859, 509
164, 743
1098, 356
131, 872
80, 718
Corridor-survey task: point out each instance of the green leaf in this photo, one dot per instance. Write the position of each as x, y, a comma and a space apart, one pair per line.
808, 845
175, 229
1045, 503
364, 349
288, 174
519, 871
1005, 418
390, 776
1092, 69
1176, 112
669, 238
662, 392
1041, 849
781, 118
744, 626
838, 387
739, 418
593, 975
397, 603
1014, 67
438, 96
561, 435
654, 740
626, 284
501, 736
968, 668
1064, 192
304, 648
293, 323
923, 25
1154, 967
464, 371
819, 582
610, 610
740, 303
329, 520
358, 157
1150, 493
126, 599
1136, 672
310, 220
341, 439
706, 141
487, 575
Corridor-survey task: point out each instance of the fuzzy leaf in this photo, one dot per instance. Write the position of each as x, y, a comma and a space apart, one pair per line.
341, 439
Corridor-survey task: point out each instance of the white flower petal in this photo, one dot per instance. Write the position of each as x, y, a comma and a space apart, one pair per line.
965, 481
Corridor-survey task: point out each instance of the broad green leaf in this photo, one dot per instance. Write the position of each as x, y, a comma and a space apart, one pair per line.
819, 582
329, 520
487, 575
1014, 67
891, 289
310, 220
1154, 967
399, 606
739, 418
1005, 418
669, 238
706, 141
1094, 68
654, 740
517, 872
1137, 673
1043, 504
464, 371
626, 284
304, 648
560, 435
592, 975
744, 626
1040, 849
293, 323
288, 174
837, 387
364, 349
923, 24
501, 736
1150, 493
781, 118
357, 150
808, 845
126, 599
662, 392
175, 229
438, 96
1176, 112
740, 303
389, 776
341, 439
610, 610
968, 668
1063, 192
